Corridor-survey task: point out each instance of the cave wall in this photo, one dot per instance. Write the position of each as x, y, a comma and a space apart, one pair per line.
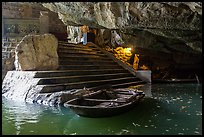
165, 34
27, 10
174, 21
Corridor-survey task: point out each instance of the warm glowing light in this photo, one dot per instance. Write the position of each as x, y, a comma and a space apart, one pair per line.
127, 50
143, 67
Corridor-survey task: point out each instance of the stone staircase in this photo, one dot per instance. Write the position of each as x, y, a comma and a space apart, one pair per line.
84, 66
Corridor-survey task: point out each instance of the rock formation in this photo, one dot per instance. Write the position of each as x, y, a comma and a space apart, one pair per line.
37, 52
172, 29
173, 20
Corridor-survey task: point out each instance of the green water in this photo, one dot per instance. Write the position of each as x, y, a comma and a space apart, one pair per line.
169, 109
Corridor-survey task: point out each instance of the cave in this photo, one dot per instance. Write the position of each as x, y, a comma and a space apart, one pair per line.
168, 40
54, 53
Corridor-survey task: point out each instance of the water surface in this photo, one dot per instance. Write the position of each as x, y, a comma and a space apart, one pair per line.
169, 109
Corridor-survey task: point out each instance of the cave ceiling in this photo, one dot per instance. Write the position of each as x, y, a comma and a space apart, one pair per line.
177, 25
176, 21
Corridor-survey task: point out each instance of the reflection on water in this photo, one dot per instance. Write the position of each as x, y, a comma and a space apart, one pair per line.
170, 109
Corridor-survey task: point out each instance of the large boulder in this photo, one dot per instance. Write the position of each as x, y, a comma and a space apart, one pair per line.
37, 52
7, 65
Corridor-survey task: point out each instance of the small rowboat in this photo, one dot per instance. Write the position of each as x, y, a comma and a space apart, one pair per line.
104, 103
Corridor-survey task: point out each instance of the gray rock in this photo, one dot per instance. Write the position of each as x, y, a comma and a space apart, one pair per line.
37, 52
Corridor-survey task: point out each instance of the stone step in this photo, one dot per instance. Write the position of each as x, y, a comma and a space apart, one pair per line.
63, 54
86, 62
68, 51
87, 67
65, 43
84, 66
123, 85
77, 46
87, 84
71, 79
58, 73
85, 57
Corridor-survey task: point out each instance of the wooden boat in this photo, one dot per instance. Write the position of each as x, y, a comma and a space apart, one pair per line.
104, 103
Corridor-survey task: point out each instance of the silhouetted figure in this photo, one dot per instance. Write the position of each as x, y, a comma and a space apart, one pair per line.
84, 30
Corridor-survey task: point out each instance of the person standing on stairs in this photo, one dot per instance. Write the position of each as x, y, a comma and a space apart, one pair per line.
84, 30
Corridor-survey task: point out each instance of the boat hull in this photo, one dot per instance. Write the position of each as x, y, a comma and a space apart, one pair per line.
101, 111
102, 108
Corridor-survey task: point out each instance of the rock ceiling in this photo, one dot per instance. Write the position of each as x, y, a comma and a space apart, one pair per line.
177, 22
